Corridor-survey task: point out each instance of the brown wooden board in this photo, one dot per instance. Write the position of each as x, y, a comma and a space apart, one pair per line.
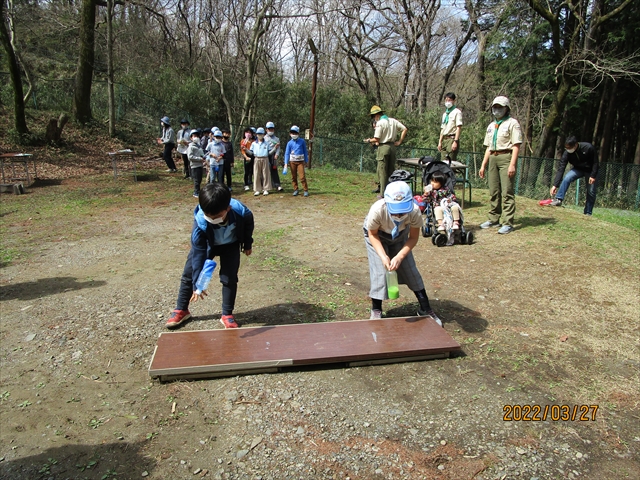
211, 353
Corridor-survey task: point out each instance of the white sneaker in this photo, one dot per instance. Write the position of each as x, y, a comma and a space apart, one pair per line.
255, 194
456, 226
441, 228
246, 187
375, 315
265, 192
279, 189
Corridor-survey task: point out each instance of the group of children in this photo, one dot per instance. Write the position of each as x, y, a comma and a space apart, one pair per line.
211, 150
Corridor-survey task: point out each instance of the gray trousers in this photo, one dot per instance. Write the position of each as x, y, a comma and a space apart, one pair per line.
408, 273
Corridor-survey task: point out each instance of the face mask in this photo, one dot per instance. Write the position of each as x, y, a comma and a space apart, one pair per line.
499, 112
214, 221
260, 136
448, 104
248, 136
399, 218
217, 139
294, 137
571, 150
225, 138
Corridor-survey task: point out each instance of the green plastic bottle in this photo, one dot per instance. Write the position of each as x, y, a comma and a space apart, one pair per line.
393, 291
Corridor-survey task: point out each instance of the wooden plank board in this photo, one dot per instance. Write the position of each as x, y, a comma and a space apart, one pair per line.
211, 353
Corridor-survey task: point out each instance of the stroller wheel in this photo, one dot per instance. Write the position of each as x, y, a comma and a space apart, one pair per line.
425, 231
469, 238
441, 240
433, 238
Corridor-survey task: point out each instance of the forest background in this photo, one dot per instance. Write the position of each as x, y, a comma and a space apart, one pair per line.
569, 67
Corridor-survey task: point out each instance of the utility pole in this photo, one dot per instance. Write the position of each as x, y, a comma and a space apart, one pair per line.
314, 83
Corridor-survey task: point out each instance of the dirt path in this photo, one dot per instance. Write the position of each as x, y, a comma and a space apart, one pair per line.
80, 320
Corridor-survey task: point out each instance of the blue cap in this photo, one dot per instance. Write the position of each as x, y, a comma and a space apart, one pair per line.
260, 130
253, 129
398, 197
270, 125
166, 120
295, 128
217, 133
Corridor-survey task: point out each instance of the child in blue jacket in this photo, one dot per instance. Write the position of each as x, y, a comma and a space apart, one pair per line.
222, 227
296, 157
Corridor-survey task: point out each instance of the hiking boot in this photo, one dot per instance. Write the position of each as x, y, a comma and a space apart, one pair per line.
177, 318
375, 315
505, 229
489, 224
430, 313
556, 203
295, 193
228, 321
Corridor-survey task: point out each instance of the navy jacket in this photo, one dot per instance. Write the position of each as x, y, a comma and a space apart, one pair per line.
203, 237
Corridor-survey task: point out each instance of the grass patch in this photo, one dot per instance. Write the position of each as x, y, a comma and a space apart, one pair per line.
624, 218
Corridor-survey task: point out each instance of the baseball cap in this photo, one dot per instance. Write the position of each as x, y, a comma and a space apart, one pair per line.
295, 128
501, 100
195, 131
270, 125
217, 133
260, 130
398, 197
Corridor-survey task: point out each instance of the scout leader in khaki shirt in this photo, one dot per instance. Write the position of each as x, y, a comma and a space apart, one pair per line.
450, 127
507, 139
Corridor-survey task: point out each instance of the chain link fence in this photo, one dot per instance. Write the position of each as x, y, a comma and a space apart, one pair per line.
618, 183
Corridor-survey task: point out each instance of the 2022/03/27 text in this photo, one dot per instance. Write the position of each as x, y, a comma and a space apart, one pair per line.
555, 413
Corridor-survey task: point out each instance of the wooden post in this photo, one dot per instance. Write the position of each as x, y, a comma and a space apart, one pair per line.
314, 82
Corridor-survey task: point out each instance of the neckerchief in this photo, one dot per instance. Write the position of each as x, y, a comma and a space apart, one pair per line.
495, 131
446, 114
395, 232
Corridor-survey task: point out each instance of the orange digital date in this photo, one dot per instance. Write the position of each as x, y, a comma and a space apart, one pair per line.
555, 413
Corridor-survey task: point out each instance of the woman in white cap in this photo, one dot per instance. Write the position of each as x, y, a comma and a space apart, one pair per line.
503, 140
391, 230
169, 141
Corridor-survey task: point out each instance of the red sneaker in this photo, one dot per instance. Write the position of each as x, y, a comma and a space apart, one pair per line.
177, 318
228, 321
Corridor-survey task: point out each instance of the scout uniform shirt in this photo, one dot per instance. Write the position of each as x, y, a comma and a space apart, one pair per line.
448, 126
379, 219
388, 129
508, 135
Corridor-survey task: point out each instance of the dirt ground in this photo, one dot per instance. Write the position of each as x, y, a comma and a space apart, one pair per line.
544, 319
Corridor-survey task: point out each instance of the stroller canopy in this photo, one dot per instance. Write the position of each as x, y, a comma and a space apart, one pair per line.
431, 166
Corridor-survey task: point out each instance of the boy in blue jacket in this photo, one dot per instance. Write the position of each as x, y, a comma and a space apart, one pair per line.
297, 158
222, 227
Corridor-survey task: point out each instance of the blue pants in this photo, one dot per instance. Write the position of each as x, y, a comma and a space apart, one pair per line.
571, 177
229, 265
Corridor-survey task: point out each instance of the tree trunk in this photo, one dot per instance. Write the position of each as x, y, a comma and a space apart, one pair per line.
554, 115
607, 132
110, 92
20, 121
635, 172
84, 75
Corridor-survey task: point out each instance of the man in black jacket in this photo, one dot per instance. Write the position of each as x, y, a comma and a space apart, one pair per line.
582, 156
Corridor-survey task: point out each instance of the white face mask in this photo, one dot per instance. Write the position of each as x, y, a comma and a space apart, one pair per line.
294, 137
399, 218
499, 112
215, 221
260, 136
571, 150
448, 104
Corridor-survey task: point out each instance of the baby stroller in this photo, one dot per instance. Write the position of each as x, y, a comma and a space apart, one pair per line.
429, 167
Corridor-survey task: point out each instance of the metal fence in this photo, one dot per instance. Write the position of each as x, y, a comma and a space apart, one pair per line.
618, 183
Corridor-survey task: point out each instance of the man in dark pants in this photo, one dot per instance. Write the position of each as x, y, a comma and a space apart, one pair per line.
582, 156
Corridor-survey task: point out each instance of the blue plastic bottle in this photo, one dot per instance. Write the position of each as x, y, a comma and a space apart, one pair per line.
205, 276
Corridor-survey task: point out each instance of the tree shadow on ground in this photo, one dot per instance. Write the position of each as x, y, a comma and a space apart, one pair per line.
526, 222
449, 312
50, 182
126, 460
278, 314
44, 287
